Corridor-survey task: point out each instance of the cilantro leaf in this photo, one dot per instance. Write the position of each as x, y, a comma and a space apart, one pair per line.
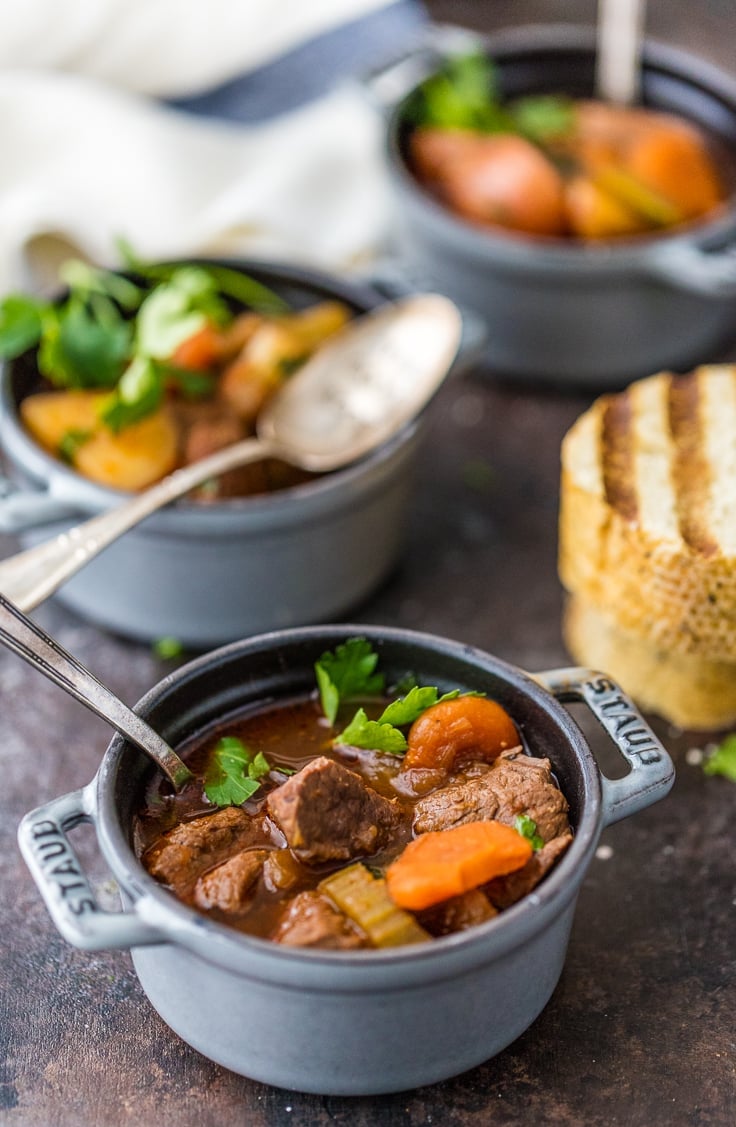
723, 759
347, 672
20, 324
527, 827
372, 735
233, 772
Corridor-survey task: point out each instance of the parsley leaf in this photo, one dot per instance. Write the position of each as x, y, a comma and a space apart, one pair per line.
723, 759
20, 324
70, 442
138, 394
233, 772
84, 345
407, 709
464, 94
168, 316
373, 735
167, 648
543, 117
527, 827
348, 672
85, 279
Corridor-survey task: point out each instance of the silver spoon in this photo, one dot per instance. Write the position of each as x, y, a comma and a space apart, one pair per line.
618, 56
40, 650
357, 391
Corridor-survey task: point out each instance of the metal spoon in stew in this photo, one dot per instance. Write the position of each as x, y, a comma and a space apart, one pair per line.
41, 651
355, 393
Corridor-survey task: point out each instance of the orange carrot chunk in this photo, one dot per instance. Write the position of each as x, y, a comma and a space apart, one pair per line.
459, 730
199, 351
436, 866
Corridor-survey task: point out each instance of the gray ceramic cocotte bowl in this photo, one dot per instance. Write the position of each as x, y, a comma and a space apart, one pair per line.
210, 573
337, 1022
564, 312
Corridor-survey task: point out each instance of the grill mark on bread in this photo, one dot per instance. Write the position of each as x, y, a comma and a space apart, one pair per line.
691, 473
617, 455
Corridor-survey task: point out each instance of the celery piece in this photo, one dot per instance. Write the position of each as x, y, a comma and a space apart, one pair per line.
643, 200
365, 900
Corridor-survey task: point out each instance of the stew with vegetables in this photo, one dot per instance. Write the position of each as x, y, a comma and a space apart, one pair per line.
361, 816
142, 373
550, 165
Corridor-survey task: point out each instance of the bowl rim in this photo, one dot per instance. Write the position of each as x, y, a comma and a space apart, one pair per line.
517, 247
74, 489
225, 946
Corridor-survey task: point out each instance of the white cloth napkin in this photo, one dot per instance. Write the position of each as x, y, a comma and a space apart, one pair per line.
85, 161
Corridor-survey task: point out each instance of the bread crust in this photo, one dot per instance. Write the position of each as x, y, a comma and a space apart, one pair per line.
689, 691
643, 541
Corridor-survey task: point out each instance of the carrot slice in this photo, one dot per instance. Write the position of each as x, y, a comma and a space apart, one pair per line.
199, 351
462, 729
436, 866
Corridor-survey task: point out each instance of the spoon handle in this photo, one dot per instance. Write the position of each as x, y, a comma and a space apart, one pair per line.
41, 651
618, 70
30, 577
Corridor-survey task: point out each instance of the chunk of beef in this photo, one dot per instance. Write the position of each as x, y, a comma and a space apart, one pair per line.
183, 854
516, 784
328, 813
525, 786
458, 913
228, 886
311, 920
505, 891
471, 801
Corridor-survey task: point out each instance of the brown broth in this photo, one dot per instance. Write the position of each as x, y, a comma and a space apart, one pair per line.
290, 734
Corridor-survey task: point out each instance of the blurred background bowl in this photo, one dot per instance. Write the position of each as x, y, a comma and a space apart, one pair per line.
572, 313
206, 573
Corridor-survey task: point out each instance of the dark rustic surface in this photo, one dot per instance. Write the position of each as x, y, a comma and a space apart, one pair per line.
641, 1028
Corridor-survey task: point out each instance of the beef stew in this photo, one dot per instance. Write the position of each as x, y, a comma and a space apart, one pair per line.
321, 842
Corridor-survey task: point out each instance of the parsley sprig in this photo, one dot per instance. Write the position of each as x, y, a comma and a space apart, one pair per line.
234, 772
350, 672
723, 760
464, 94
112, 333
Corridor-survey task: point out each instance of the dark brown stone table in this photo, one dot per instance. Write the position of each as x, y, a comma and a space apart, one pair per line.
641, 1029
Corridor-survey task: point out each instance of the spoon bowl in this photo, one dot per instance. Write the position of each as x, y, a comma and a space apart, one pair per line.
358, 391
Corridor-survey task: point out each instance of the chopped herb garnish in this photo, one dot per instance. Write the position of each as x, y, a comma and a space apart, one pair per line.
464, 95
20, 324
723, 759
348, 672
70, 444
167, 648
114, 333
407, 709
351, 672
527, 827
234, 772
137, 395
372, 735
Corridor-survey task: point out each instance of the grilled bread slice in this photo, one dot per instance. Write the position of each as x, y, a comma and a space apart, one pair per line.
690, 691
648, 511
